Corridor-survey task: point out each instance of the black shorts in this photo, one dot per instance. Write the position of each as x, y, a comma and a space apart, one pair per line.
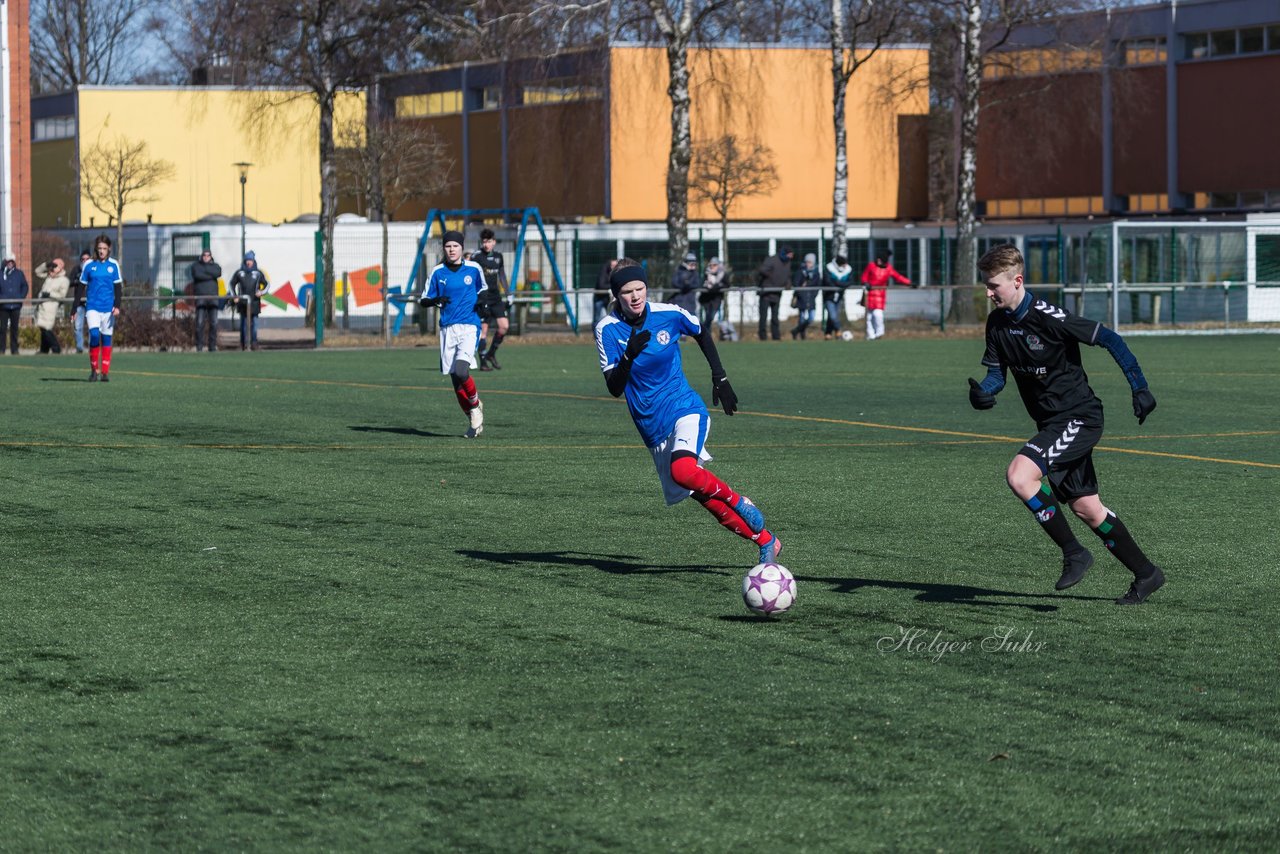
491, 310
1064, 451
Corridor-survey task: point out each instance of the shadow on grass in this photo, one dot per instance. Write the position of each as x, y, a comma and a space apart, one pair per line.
403, 431
614, 564
64, 379
954, 594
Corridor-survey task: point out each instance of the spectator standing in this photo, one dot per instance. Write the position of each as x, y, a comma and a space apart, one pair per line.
247, 285
204, 276
601, 296
876, 277
714, 284
77, 310
13, 291
836, 276
52, 292
685, 284
772, 278
806, 283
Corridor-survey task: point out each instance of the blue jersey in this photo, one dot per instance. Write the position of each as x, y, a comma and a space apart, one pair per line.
461, 286
100, 279
657, 392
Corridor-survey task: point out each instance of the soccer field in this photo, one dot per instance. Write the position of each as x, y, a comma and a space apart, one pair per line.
274, 601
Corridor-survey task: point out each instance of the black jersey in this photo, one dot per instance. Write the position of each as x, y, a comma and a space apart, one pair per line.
1040, 344
495, 275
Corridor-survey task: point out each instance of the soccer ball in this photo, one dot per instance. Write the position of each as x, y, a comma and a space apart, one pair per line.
846, 335
769, 589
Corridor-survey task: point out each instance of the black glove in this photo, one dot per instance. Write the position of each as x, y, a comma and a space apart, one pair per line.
1144, 403
978, 398
722, 395
438, 302
636, 344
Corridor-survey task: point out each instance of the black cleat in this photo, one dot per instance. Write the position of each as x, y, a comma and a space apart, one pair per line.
1074, 566
493, 362
93, 376
484, 366
104, 378
1143, 587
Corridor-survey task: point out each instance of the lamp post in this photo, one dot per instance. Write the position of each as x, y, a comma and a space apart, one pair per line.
244, 177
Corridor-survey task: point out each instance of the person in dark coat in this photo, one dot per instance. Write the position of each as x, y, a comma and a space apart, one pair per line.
772, 278
805, 282
247, 285
13, 291
204, 285
685, 284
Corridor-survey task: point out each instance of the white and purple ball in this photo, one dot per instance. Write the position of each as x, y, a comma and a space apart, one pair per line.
769, 589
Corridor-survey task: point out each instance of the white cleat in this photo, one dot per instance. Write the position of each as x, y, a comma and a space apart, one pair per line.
477, 421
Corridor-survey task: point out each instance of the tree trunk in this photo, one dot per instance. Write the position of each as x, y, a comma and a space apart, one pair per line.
840, 85
964, 304
681, 151
328, 196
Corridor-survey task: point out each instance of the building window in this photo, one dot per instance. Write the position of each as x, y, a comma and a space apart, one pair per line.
486, 98
54, 127
1197, 45
559, 90
1143, 52
429, 104
1273, 37
1222, 43
1251, 40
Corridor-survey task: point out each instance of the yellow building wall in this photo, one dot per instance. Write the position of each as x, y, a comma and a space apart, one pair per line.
202, 132
783, 97
53, 184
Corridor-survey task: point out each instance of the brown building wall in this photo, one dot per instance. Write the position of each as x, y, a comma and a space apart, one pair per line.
19, 130
556, 156
450, 130
1229, 125
1040, 137
486, 159
1140, 156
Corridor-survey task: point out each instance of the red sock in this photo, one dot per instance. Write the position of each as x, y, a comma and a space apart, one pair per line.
106, 360
93, 357
725, 516
705, 485
468, 397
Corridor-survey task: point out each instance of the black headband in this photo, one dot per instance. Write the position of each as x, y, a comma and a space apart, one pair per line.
623, 275
453, 237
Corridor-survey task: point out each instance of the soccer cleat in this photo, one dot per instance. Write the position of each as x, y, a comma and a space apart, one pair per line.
1143, 587
93, 376
1074, 566
477, 421
492, 360
104, 378
750, 514
484, 366
769, 553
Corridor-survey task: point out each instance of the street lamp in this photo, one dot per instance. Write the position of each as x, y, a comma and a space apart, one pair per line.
244, 176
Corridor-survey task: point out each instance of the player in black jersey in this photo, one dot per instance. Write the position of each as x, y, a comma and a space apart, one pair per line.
492, 304
1040, 343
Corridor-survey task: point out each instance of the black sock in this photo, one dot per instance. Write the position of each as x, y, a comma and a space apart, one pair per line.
497, 341
1116, 537
1047, 512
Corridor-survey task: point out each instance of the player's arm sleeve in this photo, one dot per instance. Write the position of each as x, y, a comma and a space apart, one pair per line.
994, 381
119, 293
503, 284
613, 363
1119, 351
708, 346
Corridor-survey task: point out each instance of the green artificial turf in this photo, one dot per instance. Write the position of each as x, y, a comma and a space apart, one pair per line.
274, 601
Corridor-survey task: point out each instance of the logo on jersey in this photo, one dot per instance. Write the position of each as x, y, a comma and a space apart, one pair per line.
1051, 310
664, 337
1034, 342
466, 280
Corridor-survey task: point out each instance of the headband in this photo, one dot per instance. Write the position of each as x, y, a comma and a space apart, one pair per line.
624, 275
453, 237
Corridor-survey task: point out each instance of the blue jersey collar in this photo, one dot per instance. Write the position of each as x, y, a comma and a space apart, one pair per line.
1023, 307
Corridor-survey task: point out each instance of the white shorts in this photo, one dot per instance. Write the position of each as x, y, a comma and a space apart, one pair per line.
103, 321
689, 434
458, 342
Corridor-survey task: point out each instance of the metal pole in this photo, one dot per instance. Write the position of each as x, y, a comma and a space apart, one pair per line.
1115, 275
243, 179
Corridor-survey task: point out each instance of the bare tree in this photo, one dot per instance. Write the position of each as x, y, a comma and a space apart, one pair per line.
857, 29
676, 23
119, 173
727, 169
78, 42
323, 47
387, 163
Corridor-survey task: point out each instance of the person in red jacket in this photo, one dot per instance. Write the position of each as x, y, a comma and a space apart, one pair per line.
875, 277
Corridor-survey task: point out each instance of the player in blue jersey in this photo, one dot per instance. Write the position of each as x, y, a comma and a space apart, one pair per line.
639, 347
453, 287
1040, 343
99, 290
